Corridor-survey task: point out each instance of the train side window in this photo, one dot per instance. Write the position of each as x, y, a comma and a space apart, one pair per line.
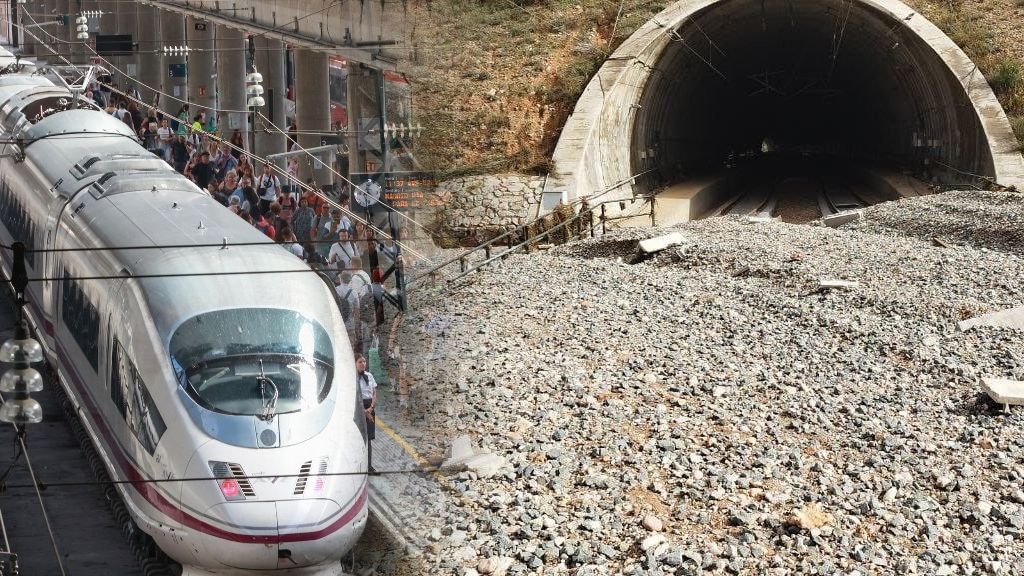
81, 318
116, 391
133, 400
16, 218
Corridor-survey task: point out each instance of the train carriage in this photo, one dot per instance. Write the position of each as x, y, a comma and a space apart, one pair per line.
184, 359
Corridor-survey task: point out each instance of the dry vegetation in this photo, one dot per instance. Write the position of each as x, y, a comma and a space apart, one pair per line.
496, 79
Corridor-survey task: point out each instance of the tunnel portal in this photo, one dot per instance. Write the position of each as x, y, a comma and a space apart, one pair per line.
707, 84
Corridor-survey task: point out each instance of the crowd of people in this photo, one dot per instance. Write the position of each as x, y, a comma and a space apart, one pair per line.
300, 220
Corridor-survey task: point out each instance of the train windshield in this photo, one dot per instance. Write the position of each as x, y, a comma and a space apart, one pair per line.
253, 361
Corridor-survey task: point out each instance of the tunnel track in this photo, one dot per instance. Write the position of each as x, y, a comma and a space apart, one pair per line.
825, 199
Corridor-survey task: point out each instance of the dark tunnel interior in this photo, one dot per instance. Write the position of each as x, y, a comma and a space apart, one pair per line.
836, 80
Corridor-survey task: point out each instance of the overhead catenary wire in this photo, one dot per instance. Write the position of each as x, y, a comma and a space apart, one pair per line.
266, 120
80, 483
173, 275
302, 185
274, 167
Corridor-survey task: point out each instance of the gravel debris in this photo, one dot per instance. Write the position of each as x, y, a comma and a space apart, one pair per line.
765, 428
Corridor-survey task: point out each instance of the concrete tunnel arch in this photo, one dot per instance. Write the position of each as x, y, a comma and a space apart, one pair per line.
868, 80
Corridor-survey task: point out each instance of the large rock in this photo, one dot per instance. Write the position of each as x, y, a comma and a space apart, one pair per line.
462, 456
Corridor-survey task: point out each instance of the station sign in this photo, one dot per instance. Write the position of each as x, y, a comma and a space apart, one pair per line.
403, 191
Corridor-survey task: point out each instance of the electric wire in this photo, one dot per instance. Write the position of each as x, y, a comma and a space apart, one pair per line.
274, 167
81, 483
222, 245
235, 273
172, 275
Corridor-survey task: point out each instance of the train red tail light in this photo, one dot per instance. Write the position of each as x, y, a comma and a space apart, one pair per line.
321, 481
231, 490
231, 480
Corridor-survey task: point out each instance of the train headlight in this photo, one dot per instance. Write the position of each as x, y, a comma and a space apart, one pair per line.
232, 481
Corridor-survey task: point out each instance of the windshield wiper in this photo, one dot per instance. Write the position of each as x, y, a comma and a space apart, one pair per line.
265, 382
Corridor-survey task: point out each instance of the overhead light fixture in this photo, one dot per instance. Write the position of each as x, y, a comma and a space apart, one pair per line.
21, 380
176, 50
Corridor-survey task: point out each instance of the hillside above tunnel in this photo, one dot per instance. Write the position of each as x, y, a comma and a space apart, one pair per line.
496, 80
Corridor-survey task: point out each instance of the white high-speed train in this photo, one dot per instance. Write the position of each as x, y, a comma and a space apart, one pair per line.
244, 381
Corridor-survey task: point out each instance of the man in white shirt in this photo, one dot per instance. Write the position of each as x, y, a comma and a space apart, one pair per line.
342, 252
267, 186
348, 305
164, 135
120, 112
360, 279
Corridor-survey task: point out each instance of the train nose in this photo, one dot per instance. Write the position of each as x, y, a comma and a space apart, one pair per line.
283, 534
251, 538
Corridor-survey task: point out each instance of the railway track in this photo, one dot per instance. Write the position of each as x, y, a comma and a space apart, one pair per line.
793, 199
835, 196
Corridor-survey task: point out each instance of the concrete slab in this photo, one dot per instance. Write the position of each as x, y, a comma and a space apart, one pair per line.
659, 243
1005, 392
460, 449
837, 220
1010, 318
831, 284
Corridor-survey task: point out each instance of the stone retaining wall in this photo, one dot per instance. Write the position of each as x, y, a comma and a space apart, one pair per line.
480, 207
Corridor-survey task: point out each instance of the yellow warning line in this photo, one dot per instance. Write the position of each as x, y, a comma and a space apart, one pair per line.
411, 451
402, 443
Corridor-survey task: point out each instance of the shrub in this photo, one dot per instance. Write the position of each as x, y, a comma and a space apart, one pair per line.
1017, 123
1007, 78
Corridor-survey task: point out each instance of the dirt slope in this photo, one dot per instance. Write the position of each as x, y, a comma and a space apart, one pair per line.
495, 79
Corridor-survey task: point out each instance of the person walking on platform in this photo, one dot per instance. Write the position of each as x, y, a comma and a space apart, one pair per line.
368, 392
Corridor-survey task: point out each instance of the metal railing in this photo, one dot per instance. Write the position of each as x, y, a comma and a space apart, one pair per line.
583, 223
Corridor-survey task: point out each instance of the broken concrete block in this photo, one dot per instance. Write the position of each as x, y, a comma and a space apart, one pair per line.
1009, 318
461, 455
837, 220
1005, 392
659, 243
829, 284
761, 219
460, 450
486, 464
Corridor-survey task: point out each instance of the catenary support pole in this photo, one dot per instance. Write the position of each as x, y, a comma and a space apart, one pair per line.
313, 110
